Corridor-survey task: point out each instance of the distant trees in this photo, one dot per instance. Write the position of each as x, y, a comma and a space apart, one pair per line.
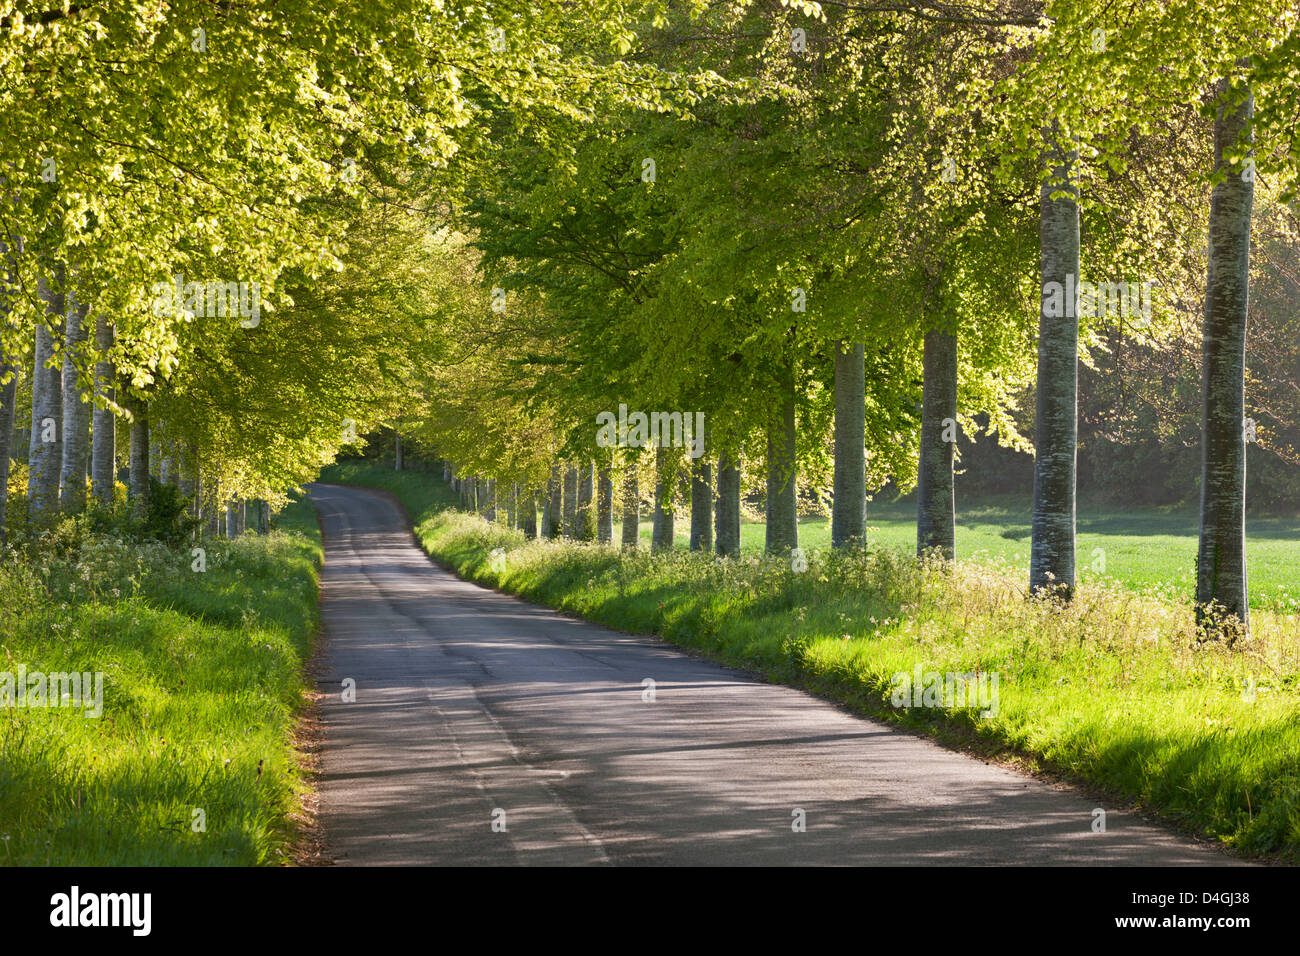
845, 287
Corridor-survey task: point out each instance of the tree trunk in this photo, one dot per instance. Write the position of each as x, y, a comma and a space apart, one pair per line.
169, 472
490, 505
782, 483
214, 502
8, 395
728, 510
528, 503
1051, 562
45, 458
195, 509
661, 536
551, 514
139, 454
585, 521
570, 502
512, 505
631, 533
936, 512
701, 505
189, 486
155, 452
849, 517
8, 401
397, 451
103, 449
76, 412
604, 507
232, 519
1221, 555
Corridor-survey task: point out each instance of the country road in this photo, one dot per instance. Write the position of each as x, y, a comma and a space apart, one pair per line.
470, 702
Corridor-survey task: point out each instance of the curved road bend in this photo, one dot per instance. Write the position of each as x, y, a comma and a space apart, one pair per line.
469, 701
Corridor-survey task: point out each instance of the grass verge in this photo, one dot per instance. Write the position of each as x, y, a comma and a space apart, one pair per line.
1113, 691
191, 759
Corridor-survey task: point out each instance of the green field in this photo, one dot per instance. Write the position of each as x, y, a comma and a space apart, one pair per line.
1150, 549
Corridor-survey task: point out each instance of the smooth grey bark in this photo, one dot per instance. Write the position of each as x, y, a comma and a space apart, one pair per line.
512, 505
8, 390
528, 517
397, 451
189, 477
728, 508
604, 507
1221, 552
155, 452
232, 519
103, 443
570, 502
76, 412
490, 502
849, 508
1052, 558
585, 519
631, 531
936, 509
138, 487
662, 534
168, 470
782, 482
551, 514
45, 458
8, 401
196, 503
701, 505
214, 501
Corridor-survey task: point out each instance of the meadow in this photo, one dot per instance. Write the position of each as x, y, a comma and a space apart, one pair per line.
192, 760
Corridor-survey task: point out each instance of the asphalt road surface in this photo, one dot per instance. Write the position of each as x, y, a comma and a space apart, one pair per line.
489, 731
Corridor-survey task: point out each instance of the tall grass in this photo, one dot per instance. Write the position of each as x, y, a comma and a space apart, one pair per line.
192, 760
